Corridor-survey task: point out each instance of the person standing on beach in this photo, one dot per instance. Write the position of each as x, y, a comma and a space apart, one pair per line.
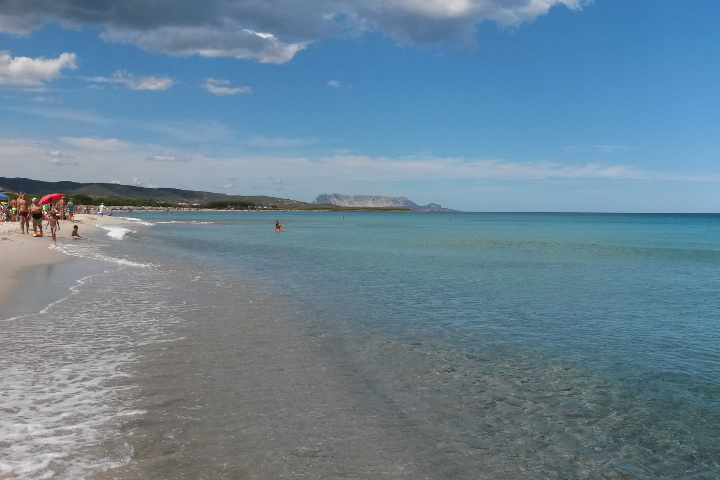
54, 224
101, 209
37, 215
60, 208
23, 213
13, 210
70, 209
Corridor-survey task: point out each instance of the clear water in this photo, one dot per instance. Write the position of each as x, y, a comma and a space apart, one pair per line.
378, 345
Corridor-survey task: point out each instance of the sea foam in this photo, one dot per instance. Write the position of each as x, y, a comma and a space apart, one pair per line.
93, 251
138, 220
115, 231
65, 378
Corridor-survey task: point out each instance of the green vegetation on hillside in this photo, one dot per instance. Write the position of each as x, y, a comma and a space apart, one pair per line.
230, 205
112, 194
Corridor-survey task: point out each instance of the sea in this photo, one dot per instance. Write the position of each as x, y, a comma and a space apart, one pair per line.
355, 345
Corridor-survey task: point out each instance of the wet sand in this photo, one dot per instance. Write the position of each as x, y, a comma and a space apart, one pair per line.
26, 258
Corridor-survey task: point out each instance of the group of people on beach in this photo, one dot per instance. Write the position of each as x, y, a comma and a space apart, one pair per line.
22, 210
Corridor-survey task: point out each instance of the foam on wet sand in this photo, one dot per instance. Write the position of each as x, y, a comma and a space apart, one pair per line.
22, 252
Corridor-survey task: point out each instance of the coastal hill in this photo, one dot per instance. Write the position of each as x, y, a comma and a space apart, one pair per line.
173, 196
176, 196
376, 201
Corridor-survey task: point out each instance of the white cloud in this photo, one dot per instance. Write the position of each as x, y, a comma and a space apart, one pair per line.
57, 154
47, 100
139, 183
33, 72
276, 143
186, 131
122, 77
272, 31
62, 162
230, 40
160, 157
277, 182
337, 84
88, 143
59, 159
151, 83
63, 114
222, 87
608, 149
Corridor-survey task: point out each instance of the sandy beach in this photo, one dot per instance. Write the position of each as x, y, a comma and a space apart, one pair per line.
21, 252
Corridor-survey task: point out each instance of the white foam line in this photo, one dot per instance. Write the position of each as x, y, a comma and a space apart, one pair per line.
73, 291
187, 222
86, 250
132, 413
137, 220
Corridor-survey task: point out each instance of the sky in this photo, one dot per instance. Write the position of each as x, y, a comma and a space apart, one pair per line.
478, 105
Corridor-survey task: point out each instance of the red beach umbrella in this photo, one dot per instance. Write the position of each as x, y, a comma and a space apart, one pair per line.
53, 197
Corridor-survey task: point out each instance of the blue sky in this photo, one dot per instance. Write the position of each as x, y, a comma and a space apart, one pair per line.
480, 105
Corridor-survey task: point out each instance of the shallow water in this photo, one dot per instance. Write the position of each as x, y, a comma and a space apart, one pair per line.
379, 345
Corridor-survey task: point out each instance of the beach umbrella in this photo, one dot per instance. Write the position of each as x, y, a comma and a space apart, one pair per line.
53, 197
2, 195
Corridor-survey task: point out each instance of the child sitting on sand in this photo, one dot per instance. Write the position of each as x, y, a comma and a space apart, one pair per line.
76, 235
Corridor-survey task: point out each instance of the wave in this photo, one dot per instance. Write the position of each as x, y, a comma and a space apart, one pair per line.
116, 231
140, 221
91, 250
65, 384
187, 222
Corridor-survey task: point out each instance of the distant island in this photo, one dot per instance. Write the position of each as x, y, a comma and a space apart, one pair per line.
131, 195
376, 201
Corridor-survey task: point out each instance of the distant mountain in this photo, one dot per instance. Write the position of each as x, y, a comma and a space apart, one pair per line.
163, 195
376, 201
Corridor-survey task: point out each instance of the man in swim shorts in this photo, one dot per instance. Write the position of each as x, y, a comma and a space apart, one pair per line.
23, 213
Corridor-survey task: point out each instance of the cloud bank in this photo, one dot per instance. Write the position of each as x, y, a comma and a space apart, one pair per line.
271, 31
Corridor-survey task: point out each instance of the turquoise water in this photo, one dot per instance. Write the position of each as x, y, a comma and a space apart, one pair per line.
639, 290
397, 345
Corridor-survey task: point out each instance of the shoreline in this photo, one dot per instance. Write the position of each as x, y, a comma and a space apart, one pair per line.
27, 260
